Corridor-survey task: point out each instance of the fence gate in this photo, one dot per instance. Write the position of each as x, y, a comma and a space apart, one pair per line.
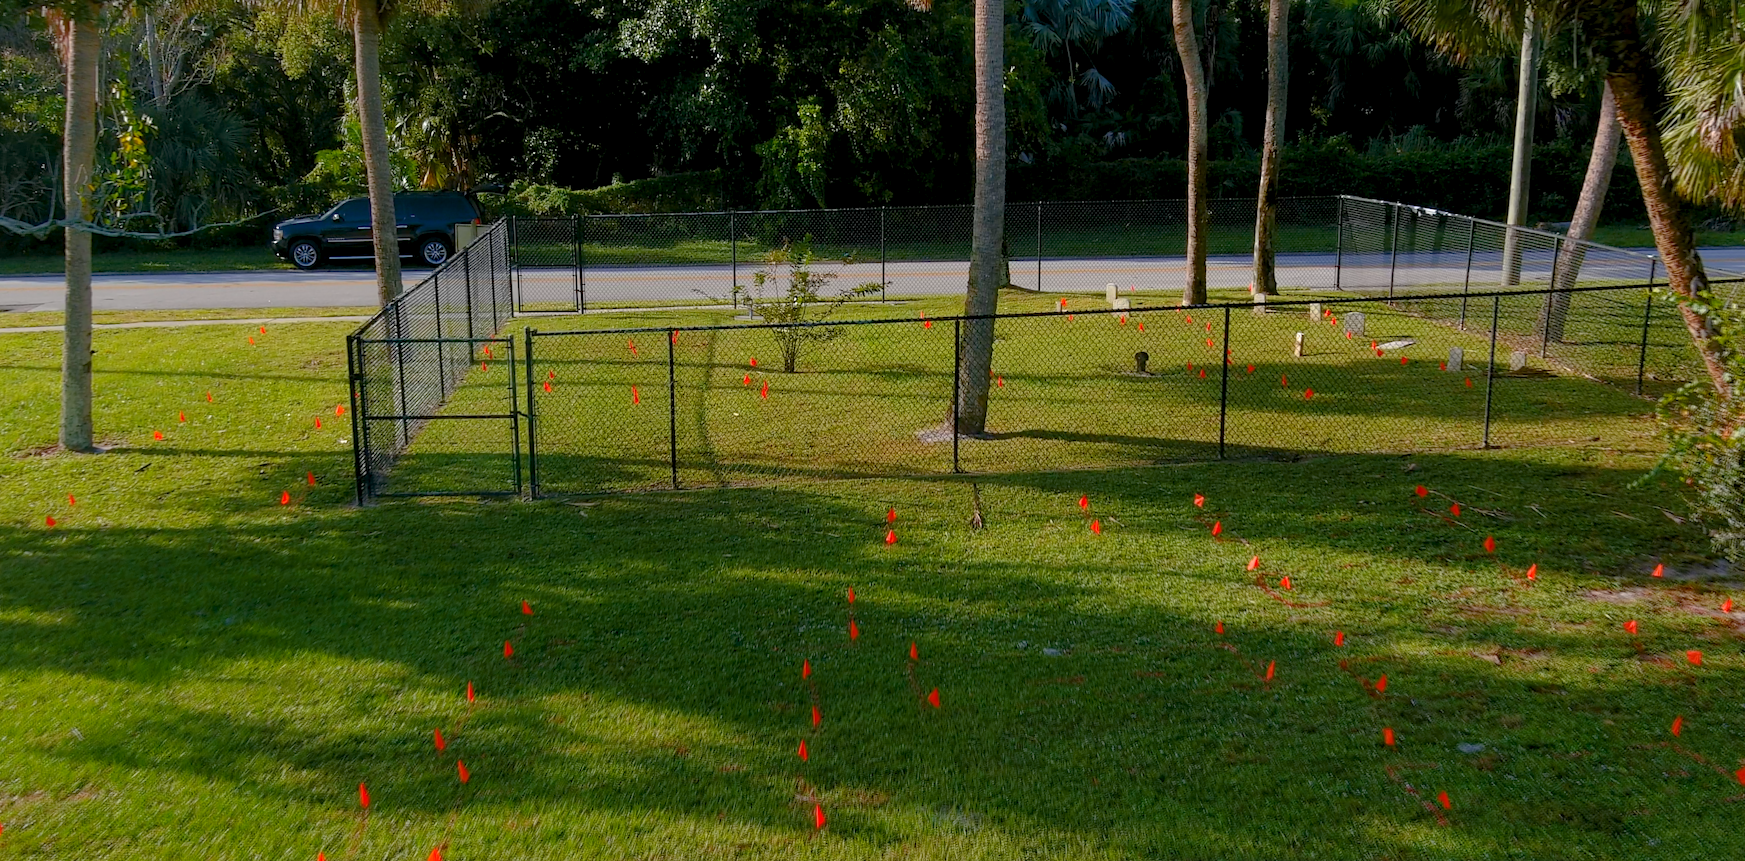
548, 265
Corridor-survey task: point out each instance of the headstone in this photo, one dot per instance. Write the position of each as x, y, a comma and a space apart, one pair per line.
1314, 312
1354, 324
1456, 359
1260, 304
1139, 360
1297, 350
1110, 291
1121, 304
1397, 345
1517, 360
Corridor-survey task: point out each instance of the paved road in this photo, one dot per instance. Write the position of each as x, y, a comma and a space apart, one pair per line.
635, 285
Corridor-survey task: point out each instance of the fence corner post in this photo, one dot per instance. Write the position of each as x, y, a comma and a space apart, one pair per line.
1224, 385
532, 418
956, 385
1338, 242
672, 403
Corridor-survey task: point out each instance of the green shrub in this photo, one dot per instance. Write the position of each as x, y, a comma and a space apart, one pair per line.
684, 192
1705, 433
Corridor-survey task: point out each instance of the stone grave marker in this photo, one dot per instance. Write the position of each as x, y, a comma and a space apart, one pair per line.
1517, 360
1297, 348
1354, 324
1456, 359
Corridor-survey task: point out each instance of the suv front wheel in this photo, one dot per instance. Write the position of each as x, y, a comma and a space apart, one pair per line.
305, 254
434, 251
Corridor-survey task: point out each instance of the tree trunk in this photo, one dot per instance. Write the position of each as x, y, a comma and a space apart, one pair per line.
1587, 211
82, 43
987, 268
1187, 45
1266, 207
367, 32
1636, 87
1526, 109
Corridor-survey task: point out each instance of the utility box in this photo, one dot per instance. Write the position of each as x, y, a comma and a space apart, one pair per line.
465, 233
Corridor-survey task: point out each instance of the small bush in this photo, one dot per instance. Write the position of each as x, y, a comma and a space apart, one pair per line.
1705, 432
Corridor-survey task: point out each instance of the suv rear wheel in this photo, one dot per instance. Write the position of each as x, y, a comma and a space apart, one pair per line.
305, 254
434, 251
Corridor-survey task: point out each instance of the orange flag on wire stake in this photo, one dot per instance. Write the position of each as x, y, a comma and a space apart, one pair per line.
1338, 638
1659, 571
1695, 657
284, 497
803, 755
1443, 797
1490, 544
526, 609
1421, 490
1381, 684
435, 854
1678, 725
817, 717
1085, 502
806, 668
1270, 666
1630, 626
182, 418
440, 743
1254, 564
464, 774
1217, 528
635, 396
1387, 736
890, 537
851, 595
1218, 628
818, 817
157, 434
50, 521
765, 393
1727, 606
1286, 583
891, 515
469, 691
311, 479
1096, 526
933, 698
548, 387
1308, 394
914, 651
363, 796
1533, 571
508, 649
1199, 501
853, 630
1454, 509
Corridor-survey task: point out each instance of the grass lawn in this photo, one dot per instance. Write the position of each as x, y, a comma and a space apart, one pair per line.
195, 670
56, 318
175, 260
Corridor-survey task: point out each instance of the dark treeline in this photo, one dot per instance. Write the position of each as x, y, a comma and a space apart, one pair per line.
777, 103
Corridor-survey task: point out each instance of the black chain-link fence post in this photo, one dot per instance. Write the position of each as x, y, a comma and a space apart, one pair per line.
399, 353
1224, 385
581, 266
1490, 371
511, 253
441, 345
467, 282
1550, 300
672, 403
506, 239
883, 281
733, 245
1647, 315
956, 385
1338, 241
1393, 250
1039, 246
1466, 280
532, 421
354, 378
514, 413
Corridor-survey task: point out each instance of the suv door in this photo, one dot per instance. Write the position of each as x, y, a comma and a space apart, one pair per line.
346, 232
408, 216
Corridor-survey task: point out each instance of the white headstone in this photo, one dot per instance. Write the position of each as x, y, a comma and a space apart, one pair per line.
1121, 304
1297, 349
1110, 291
1456, 359
1517, 360
1260, 303
1354, 323
1314, 312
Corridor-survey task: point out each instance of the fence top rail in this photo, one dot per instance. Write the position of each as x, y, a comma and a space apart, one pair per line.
1205, 306
914, 207
1549, 234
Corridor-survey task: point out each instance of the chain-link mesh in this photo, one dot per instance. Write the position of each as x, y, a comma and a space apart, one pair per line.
426, 360
548, 264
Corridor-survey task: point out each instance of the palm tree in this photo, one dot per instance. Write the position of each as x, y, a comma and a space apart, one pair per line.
987, 272
1266, 207
368, 18
1600, 162
1520, 170
1187, 45
1637, 76
75, 24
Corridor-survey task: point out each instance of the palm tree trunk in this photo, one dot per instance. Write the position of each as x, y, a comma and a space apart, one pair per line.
1636, 87
82, 46
1526, 109
367, 33
1187, 45
988, 222
1587, 211
1266, 207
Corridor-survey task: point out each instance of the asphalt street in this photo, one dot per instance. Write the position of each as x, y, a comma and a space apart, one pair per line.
631, 285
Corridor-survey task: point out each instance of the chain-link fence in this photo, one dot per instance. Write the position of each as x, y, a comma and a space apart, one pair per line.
434, 355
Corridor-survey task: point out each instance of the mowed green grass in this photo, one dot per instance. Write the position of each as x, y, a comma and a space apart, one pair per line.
194, 670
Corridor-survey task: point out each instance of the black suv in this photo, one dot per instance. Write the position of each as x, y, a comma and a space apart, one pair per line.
426, 221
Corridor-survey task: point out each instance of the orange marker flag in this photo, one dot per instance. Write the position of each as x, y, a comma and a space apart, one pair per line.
551, 375
635, 396
1199, 501
1469, 382
1284, 381
1069, 318
818, 816
312, 479
1381, 684
251, 340
464, 774
927, 324
487, 349
1217, 528
632, 344
1202, 373
1695, 657
1219, 628
435, 854
469, 691
1270, 666
1254, 564
1097, 526
1387, 736
1190, 318
765, 393
1286, 583
508, 649
484, 367
157, 434
851, 596
526, 609
1726, 606
1443, 797
853, 630
754, 361
1421, 490
50, 520
891, 515
914, 651
284, 497
1308, 393
1250, 369
1442, 367
806, 668
1630, 626
1141, 327
1741, 775
73, 502
1533, 571
746, 381
1063, 304
1123, 319
1085, 502
363, 796
440, 743
263, 330
1659, 571
1678, 725
890, 537
338, 409
1490, 544
1208, 340
675, 337
933, 698
1402, 360
817, 718
182, 418
1339, 638
803, 756
548, 387
318, 423
1001, 381
1454, 509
